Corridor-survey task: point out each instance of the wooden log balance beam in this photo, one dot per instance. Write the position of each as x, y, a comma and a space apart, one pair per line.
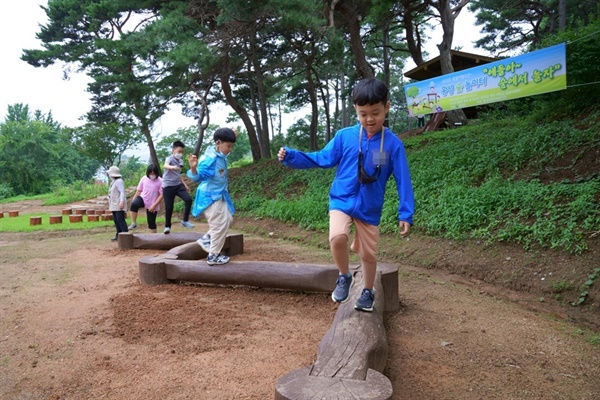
351, 356
234, 242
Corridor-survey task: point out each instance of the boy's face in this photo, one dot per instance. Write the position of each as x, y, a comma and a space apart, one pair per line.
178, 150
224, 147
372, 116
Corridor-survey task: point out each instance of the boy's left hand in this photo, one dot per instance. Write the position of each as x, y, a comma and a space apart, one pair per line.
404, 228
193, 161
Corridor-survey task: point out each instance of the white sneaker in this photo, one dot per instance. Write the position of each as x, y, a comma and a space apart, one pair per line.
167, 230
204, 242
133, 225
217, 259
187, 224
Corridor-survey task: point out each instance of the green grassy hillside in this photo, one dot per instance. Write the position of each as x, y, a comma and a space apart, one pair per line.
512, 179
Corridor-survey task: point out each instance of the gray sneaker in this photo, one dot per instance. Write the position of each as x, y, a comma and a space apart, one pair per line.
217, 259
204, 242
366, 300
133, 225
187, 224
342, 288
167, 230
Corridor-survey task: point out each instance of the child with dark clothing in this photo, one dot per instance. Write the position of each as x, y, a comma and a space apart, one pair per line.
173, 185
117, 200
212, 197
366, 155
149, 194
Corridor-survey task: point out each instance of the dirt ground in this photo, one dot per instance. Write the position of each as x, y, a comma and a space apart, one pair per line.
476, 321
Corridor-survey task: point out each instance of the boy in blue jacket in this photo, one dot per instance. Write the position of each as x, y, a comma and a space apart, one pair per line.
366, 155
212, 197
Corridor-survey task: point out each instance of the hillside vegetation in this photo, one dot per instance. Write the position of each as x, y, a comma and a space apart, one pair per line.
515, 179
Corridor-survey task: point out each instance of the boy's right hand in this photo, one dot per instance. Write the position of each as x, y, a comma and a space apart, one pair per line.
281, 154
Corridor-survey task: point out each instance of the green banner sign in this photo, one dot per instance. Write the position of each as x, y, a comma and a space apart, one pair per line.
538, 72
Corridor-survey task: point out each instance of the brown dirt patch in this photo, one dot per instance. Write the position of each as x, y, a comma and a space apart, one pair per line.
76, 324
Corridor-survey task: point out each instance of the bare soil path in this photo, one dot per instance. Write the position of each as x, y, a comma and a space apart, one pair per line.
76, 324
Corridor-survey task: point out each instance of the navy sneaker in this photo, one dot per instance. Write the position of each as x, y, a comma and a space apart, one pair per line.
366, 300
342, 288
204, 242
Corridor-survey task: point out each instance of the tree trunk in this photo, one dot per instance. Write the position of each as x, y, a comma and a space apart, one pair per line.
312, 94
264, 141
447, 16
353, 16
148, 135
241, 111
325, 99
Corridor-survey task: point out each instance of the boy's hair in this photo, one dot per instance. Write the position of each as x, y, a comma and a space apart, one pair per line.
225, 135
178, 143
152, 168
370, 91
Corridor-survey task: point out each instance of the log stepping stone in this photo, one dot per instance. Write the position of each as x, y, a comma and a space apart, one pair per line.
74, 218
35, 221
56, 219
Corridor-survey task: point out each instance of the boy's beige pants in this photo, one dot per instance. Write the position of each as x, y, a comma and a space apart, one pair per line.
219, 219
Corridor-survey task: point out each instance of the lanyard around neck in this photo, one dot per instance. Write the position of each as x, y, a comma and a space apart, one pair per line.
360, 139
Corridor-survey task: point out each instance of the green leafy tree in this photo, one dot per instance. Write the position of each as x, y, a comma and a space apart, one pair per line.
36, 154
106, 143
516, 25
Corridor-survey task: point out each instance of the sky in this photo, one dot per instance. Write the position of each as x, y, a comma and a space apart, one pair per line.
67, 99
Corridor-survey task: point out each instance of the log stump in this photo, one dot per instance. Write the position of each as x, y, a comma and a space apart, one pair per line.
107, 217
56, 219
90, 211
35, 221
76, 218
100, 212
13, 213
1, 214
67, 211
93, 218
80, 211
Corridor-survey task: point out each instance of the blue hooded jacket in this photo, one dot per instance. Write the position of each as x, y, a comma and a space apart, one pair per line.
363, 201
212, 175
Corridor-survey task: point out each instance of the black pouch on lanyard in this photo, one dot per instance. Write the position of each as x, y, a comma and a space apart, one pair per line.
363, 176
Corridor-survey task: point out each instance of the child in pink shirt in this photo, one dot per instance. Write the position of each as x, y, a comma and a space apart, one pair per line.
149, 194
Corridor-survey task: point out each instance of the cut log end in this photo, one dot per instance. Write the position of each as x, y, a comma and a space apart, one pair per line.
299, 384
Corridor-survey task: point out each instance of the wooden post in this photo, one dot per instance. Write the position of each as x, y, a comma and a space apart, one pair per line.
93, 217
76, 218
1, 214
56, 219
13, 213
67, 211
80, 211
35, 221
107, 217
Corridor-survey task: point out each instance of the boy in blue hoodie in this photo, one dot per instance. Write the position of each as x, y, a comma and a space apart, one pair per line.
365, 155
212, 197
